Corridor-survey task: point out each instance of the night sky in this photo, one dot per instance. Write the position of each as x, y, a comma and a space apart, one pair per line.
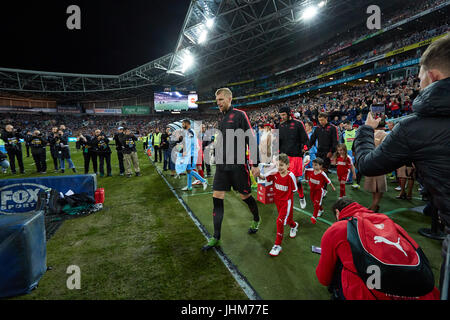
116, 35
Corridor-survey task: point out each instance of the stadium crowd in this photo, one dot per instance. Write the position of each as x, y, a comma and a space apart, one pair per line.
348, 56
341, 41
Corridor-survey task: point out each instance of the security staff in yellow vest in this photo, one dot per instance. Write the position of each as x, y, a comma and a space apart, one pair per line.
348, 137
157, 145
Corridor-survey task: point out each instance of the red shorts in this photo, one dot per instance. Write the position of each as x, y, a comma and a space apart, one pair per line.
296, 166
344, 176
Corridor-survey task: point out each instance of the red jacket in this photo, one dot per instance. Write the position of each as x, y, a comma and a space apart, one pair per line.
335, 246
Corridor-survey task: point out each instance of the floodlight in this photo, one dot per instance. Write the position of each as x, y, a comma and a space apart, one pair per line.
210, 23
322, 3
203, 37
188, 61
309, 13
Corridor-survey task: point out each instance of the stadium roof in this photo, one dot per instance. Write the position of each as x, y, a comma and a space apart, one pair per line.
219, 35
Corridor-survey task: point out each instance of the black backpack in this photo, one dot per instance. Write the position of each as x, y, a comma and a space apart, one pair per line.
404, 269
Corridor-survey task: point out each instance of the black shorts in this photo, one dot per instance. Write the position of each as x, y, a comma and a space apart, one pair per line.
238, 178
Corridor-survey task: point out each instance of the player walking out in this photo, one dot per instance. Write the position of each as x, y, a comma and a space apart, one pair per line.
190, 150
317, 182
293, 139
285, 184
232, 169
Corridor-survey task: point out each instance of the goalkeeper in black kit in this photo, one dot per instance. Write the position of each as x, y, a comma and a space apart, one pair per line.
235, 141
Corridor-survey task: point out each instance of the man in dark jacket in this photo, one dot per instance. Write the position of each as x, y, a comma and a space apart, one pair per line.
37, 144
13, 146
63, 149
423, 137
103, 152
327, 136
88, 148
51, 138
27, 140
165, 148
119, 148
292, 140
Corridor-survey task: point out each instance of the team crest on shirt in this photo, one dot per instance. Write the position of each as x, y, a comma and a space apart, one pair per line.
231, 117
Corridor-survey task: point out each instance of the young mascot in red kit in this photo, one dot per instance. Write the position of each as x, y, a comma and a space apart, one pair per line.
344, 166
285, 186
317, 181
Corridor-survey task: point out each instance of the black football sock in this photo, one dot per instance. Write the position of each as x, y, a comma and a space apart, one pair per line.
217, 216
253, 206
358, 178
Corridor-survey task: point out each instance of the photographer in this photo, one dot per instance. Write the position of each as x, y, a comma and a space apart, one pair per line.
86, 145
27, 140
119, 148
422, 138
101, 142
165, 148
62, 147
38, 151
13, 147
51, 139
128, 141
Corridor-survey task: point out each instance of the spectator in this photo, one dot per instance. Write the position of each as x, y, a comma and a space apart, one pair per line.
337, 269
358, 122
130, 157
431, 120
376, 185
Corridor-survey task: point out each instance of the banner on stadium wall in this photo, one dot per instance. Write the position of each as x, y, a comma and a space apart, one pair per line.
108, 111
26, 109
20, 195
136, 110
69, 109
241, 82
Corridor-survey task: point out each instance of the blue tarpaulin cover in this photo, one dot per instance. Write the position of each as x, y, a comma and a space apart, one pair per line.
22, 252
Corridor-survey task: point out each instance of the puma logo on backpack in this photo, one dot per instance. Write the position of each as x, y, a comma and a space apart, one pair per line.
379, 239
